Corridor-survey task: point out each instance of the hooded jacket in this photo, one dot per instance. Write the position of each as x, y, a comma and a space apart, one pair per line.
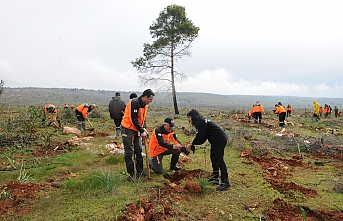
316, 107
207, 130
116, 108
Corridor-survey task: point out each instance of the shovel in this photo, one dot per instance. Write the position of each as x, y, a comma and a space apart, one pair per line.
146, 155
92, 128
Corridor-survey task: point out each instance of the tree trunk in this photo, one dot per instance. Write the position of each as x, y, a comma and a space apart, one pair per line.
176, 109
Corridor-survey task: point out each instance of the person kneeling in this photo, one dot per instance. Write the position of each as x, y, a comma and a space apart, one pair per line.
160, 146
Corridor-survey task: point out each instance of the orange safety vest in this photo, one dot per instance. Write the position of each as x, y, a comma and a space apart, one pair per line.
127, 120
280, 109
289, 109
48, 113
83, 109
326, 110
155, 148
257, 108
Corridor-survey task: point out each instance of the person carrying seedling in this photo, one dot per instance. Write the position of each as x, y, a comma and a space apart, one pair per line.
116, 108
132, 128
51, 113
207, 130
160, 145
82, 112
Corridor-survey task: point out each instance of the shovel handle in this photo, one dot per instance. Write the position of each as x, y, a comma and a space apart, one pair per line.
144, 140
90, 122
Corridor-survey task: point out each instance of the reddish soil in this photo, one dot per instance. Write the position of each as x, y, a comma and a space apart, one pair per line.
23, 197
158, 206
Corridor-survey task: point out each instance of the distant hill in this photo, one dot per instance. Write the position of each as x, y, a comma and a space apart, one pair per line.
59, 96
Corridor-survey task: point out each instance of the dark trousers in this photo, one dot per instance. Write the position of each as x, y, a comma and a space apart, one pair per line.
132, 151
157, 165
258, 117
289, 113
217, 159
117, 122
282, 117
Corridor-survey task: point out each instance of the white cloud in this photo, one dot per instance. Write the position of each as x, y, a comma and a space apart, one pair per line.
223, 82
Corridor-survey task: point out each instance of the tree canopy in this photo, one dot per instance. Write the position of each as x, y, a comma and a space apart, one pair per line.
173, 33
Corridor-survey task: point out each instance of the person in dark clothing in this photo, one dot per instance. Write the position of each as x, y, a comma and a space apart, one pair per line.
160, 145
336, 111
207, 130
133, 95
134, 127
116, 108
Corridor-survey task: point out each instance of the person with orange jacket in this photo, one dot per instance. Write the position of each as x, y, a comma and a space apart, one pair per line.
257, 110
51, 113
289, 110
82, 112
134, 127
160, 145
281, 112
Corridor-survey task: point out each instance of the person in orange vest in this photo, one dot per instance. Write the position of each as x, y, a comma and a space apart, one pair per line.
289, 110
82, 112
326, 110
257, 109
339, 113
65, 106
321, 111
160, 145
281, 112
134, 127
250, 115
51, 113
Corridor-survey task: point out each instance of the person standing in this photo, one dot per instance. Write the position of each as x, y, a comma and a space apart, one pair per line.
51, 114
257, 110
82, 112
289, 110
116, 108
281, 112
160, 145
336, 111
207, 130
133, 126
316, 108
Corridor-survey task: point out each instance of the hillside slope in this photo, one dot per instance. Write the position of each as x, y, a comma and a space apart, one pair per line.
59, 96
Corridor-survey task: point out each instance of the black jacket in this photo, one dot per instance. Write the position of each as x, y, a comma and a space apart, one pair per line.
116, 108
207, 130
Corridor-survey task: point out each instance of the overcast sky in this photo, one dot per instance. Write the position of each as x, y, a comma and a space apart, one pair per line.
247, 47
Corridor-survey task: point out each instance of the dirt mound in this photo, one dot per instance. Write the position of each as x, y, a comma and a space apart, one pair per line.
159, 205
19, 198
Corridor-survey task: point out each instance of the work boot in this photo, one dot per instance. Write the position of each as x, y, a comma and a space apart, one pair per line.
117, 133
175, 168
224, 185
84, 125
214, 179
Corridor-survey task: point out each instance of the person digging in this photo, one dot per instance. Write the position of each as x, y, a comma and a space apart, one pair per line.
51, 114
82, 112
